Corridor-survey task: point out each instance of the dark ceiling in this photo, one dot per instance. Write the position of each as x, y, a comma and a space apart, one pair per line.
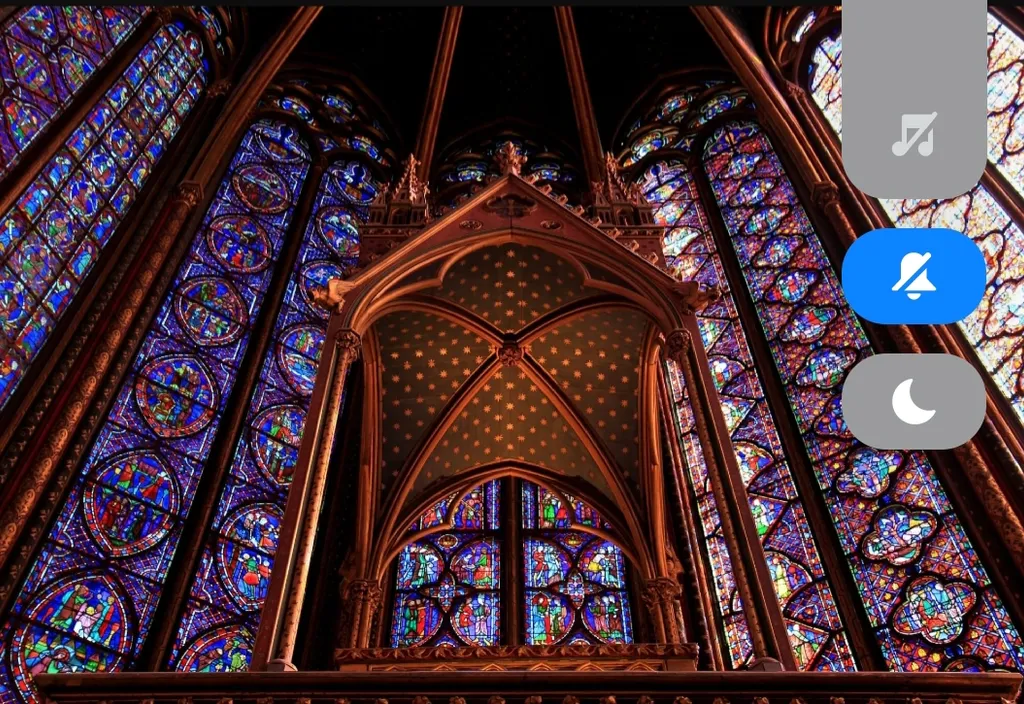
508, 62
626, 48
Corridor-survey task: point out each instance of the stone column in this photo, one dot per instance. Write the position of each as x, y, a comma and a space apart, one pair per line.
279, 625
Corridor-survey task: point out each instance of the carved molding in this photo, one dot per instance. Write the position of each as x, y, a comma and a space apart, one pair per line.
500, 652
825, 194
511, 205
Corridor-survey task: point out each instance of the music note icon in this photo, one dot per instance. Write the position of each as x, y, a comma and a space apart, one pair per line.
920, 123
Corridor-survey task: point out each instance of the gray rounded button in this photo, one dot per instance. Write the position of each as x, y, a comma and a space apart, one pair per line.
913, 401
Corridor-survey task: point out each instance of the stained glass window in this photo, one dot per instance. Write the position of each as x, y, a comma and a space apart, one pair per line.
447, 587
48, 54
812, 619
928, 598
995, 328
575, 581
54, 234
730, 606
91, 594
222, 614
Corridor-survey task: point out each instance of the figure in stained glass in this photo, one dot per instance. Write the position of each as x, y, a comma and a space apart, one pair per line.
448, 584
574, 580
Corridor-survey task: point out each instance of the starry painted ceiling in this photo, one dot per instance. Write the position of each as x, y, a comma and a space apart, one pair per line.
424, 360
511, 285
586, 360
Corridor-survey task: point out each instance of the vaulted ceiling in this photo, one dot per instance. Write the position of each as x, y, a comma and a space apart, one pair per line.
449, 404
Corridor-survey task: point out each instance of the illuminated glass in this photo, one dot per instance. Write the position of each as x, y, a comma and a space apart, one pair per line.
91, 594
54, 234
913, 564
48, 54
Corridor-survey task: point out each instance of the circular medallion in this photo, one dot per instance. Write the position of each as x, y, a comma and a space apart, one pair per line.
261, 189
119, 140
298, 353
244, 556
102, 168
340, 230
239, 243
130, 503
279, 142
210, 310
176, 395
275, 441
355, 182
227, 649
316, 275
153, 98
80, 614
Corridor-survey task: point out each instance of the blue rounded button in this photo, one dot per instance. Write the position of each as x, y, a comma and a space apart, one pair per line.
914, 276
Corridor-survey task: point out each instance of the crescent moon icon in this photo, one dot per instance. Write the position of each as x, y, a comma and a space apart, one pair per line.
905, 408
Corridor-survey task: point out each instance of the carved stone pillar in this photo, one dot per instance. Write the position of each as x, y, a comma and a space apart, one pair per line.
661, 597
764, 617
275, 641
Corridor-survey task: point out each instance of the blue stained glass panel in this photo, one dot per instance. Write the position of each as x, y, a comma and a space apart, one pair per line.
227, 593
575, 582
53, 236
448, 585
789, 278
91, 594
46, 55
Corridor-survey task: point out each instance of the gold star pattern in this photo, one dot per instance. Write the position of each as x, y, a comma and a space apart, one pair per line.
510, 418
424, 361
595, 360
511, 285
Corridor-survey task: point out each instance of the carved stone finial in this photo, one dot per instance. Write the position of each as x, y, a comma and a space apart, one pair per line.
380, 701
535, 699
510, 159
190, 193
644, 699
720, 700
420, 699
410, 188
633, 246
677, 344
456, 700
495, 699
681, 700
841, 700
343, 700
332, 296
614, 188
570, 699
610, 699
760, 700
